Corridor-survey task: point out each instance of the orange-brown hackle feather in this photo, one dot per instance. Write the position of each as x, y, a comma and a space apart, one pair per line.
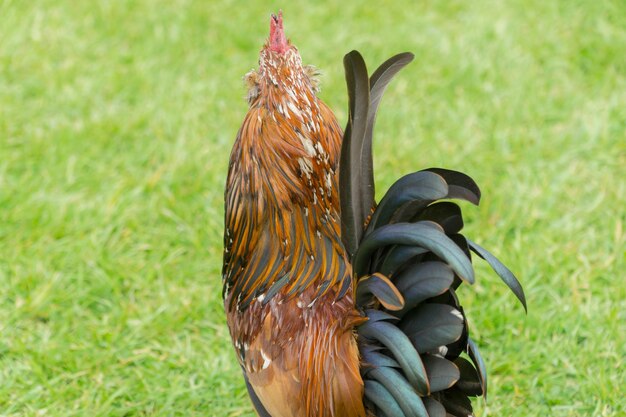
287, 279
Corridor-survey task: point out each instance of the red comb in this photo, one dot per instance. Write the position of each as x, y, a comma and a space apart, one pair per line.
278, 42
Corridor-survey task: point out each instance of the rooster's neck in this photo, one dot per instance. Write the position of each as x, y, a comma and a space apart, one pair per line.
282, 204
289, 145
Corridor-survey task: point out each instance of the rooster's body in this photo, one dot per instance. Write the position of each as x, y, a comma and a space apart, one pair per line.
289, 286
292, 300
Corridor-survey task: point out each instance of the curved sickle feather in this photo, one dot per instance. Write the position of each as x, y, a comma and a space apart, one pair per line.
379, 81
356, 175
350, 196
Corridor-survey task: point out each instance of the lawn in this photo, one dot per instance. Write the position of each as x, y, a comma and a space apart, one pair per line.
116, 122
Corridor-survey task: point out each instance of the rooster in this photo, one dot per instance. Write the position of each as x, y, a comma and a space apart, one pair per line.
338, 306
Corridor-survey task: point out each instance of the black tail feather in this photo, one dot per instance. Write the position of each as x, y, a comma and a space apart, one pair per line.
409, 256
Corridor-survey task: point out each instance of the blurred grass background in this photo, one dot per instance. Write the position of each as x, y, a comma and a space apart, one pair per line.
116, 121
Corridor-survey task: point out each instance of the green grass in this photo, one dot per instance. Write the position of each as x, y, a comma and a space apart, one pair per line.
116, 120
